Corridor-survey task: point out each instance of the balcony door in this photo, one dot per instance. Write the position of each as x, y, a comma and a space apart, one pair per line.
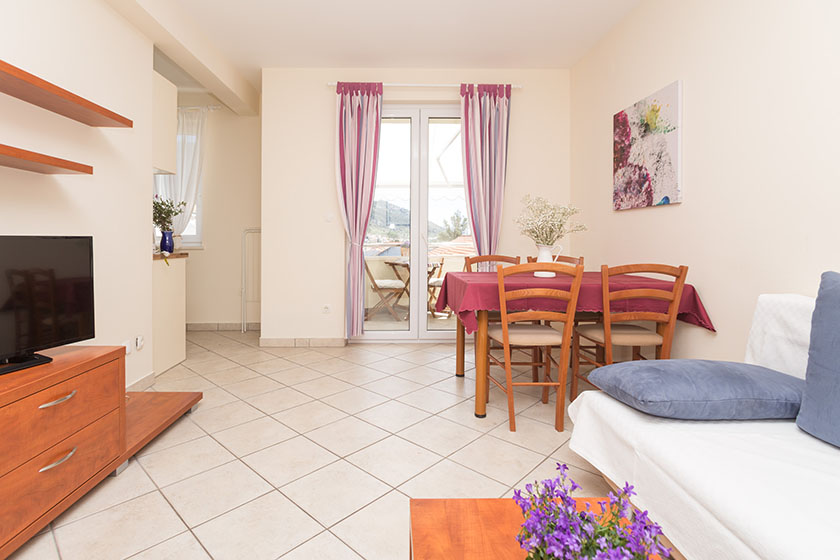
419, 229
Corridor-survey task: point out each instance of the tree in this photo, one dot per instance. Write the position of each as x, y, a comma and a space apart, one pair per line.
454, 227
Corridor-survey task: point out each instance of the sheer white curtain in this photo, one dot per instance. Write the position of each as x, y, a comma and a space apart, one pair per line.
183, 186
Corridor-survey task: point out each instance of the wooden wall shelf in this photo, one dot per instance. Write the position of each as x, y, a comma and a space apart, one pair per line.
32, 89
40, 163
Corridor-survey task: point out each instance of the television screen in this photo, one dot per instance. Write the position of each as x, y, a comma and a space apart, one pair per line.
46, 293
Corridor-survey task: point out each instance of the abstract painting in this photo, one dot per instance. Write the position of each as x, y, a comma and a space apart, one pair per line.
646, 151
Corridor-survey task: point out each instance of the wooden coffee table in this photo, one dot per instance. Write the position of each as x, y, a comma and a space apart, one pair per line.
470, 529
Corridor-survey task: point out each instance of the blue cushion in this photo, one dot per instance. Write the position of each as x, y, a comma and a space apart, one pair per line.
820, 414
702, 389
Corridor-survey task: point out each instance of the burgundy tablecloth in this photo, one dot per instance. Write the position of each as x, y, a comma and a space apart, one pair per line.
468, 292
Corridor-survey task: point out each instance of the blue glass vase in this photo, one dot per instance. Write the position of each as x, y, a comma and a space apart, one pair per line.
167, 245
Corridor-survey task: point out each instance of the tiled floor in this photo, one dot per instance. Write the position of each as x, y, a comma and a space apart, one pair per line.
300, 453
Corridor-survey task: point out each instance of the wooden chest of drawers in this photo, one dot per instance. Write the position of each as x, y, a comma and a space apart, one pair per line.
63, 432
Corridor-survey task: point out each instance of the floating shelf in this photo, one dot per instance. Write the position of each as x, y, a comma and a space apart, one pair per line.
40, 163
32, 89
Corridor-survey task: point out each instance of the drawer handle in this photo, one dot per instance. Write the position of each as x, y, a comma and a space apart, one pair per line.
54, 465
59, 401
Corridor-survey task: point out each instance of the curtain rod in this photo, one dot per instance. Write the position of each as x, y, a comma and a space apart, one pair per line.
333, 84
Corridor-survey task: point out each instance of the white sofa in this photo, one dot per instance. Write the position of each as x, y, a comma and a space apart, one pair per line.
726, 490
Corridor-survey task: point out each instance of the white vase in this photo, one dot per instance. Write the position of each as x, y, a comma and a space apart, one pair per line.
543, 256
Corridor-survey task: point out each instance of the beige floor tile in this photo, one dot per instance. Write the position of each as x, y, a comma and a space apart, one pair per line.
210, 366
214, 397
231, 376
359, 375
392, 365
204, 496
119, 531
308, 357
461, 386
393, 387
281, 399
193, 383
182, 431
253, 387
464, 414
451, 480
498, 459
332, 365
442, 436
323, 386
263, 529
425, 375
421, 357
132, 482
296, 375
226, 416
537, 436
325, 546
334, 492
182, 547
566, 455
250, 356
390, 540
289, 460
41, 547
346, 436
521, 401
545, 413
184, 460
354, 400
362, 357
393, 416
255, 435
175, 372
273, 366
309, 416
431, 400
394, 460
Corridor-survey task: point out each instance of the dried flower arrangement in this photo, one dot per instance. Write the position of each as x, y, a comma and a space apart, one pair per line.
547, 223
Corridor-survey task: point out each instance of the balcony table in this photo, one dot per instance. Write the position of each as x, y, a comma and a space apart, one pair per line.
470, 295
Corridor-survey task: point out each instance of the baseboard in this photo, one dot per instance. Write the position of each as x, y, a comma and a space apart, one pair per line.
143, 383
198, 327
302, 342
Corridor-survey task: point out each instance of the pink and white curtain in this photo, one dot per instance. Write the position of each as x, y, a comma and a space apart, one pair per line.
485, 117
359, 116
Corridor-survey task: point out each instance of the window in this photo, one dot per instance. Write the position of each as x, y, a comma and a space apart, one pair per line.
164, 185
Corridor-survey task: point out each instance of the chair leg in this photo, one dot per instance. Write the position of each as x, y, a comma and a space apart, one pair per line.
575, 366
560, 405
637, 353
547, 376
535, 369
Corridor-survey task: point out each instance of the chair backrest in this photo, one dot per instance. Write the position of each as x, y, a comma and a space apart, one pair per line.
470, 261
570, 296
561, 259
664, 321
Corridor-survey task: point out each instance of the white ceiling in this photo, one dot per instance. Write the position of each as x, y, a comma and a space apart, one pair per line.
256, 34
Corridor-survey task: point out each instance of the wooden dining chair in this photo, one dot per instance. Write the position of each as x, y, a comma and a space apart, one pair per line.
614, 330
523, 329
470, 264
388, 290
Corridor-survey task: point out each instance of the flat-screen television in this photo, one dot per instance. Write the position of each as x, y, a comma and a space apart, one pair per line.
46, 296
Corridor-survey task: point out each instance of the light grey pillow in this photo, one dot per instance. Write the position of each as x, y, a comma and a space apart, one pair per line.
820, 414
702, 389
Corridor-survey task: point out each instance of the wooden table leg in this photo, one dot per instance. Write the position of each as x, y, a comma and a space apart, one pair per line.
460, 342
481, 366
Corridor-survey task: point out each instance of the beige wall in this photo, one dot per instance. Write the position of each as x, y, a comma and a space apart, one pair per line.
88, 49
230, 191
168, 312
760, 149
303, 244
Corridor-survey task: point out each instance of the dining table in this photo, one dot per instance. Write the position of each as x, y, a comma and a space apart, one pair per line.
472, 295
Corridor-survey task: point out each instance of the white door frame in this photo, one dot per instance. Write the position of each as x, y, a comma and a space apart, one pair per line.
418, 330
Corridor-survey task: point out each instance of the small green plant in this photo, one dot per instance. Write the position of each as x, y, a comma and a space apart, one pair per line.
164, 211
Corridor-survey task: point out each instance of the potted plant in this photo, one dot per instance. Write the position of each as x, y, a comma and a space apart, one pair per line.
163, 212
554, 528
546, 224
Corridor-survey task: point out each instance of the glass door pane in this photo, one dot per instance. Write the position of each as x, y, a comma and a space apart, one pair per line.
449, 236
388, 241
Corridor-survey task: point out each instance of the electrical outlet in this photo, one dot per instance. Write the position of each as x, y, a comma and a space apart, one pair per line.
139, 341
326, 309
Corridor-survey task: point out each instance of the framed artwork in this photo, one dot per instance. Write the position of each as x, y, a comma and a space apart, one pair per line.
646, 151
